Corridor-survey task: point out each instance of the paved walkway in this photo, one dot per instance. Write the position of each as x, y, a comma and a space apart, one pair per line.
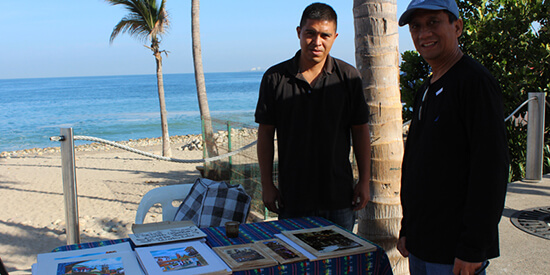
521, 252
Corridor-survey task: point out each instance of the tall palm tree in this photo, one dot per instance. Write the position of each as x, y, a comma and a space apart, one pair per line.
199, 80
148, 21
377, 58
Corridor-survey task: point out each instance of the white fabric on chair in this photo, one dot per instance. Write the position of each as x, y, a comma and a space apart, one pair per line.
164, 195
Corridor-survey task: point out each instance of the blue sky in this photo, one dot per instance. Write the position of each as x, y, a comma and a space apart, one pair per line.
71, 37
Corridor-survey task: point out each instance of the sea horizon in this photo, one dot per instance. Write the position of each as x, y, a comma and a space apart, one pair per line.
118, 108
253, 70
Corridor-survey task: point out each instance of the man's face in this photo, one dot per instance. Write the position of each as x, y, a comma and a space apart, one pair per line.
316, 39
433, 36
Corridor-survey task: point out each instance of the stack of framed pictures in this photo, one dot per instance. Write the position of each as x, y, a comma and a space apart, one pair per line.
294, 246
264, 253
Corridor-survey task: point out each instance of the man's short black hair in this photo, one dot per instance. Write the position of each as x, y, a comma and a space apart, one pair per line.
452, 17
318, 11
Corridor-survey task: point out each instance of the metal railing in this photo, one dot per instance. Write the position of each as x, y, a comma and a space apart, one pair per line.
68, 171
535, 135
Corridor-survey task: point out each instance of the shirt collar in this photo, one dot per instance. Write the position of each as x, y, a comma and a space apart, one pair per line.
293, 67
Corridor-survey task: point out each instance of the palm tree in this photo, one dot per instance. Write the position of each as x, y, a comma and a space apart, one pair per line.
147, 21
199, 80
377, 58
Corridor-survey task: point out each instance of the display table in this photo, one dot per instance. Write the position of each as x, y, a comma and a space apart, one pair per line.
375, 262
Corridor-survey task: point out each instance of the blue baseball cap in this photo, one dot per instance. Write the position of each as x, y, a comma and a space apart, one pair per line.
449, 5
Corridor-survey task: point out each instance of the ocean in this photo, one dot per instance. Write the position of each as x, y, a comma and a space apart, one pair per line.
117, 108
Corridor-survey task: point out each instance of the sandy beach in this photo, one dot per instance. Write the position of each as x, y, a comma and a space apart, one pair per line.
110, 184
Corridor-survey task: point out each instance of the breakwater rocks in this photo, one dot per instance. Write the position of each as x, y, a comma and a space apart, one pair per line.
182, 142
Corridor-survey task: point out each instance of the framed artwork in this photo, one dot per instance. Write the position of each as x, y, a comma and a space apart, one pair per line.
281, 251
124, 262
329, 242
245, 256
192, 257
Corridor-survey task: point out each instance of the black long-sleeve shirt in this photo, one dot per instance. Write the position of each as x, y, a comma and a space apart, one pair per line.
455, 167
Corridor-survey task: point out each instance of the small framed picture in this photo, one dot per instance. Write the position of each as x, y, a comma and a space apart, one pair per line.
244, 256
329, 242
281, 251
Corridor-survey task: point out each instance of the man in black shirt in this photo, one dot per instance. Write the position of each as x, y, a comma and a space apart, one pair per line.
455, 166
315, 104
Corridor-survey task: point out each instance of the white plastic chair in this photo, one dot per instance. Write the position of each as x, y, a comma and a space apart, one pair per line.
165, 195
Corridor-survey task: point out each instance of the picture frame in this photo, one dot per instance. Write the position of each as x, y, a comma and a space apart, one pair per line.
245, 256
191, 257
329, 242
91, 264
281, 251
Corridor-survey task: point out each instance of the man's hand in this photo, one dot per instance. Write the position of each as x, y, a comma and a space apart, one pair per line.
361, 195
401, 247
271, 197
465, 268
266, 151
360, 135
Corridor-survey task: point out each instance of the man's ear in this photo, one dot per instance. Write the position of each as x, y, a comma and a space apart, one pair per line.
298, 30
459, 26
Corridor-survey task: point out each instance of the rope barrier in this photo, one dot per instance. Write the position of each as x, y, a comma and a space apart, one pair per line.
133, 150
130, 149
510, 116
517, 109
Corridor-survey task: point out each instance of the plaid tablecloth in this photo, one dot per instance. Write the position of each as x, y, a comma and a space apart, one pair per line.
375, 262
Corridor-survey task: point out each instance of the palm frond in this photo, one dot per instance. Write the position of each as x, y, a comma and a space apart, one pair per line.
163, 22
131, 26
133, 6
160, 18
145, 20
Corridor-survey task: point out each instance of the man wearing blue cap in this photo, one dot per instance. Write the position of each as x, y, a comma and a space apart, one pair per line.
455, 166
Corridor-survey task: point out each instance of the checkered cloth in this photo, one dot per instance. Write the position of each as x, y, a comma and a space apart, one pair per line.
213, 203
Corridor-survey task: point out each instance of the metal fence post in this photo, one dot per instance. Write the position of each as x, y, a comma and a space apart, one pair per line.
69, 185
535, 138
229, 142
204, 145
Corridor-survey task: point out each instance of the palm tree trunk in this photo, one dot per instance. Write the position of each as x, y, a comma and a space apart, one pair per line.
377, 58
208, 134
166, 150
